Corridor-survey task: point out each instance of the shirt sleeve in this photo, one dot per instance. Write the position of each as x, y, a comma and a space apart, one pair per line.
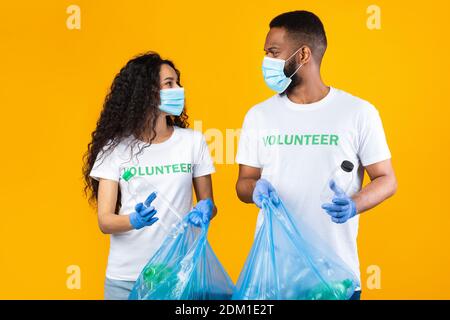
373, 146
203, 163
106, 165
247, 152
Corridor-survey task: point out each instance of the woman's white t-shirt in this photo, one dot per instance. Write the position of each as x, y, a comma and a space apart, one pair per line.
169, 168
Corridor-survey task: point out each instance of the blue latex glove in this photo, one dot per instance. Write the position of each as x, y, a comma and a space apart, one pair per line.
201, 213
342, 207
143, 216
264, 188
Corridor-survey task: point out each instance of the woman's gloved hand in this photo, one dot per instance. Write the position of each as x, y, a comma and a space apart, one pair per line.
201, 213
143, 215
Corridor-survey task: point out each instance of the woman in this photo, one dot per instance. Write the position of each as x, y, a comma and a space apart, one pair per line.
142, 129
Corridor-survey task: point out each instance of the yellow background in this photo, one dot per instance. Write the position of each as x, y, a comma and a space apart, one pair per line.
53, 81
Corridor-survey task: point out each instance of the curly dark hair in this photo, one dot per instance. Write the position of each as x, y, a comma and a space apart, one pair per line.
130, 109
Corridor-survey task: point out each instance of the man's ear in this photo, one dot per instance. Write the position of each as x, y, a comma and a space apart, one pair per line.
304, 55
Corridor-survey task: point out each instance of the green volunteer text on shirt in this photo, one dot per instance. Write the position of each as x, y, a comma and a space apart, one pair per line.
301, 139
161, 169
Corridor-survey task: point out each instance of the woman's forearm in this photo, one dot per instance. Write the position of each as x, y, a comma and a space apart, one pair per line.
110, 223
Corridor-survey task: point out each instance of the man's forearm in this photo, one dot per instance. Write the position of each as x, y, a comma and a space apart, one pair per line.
244, 189
375, 192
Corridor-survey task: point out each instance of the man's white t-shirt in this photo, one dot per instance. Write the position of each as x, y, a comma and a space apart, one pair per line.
298, 146
169, 168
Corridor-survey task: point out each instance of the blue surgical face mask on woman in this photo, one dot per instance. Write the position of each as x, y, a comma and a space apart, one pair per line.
273, 72
172, 101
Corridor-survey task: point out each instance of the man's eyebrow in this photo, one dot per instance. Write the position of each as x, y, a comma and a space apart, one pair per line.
271, 48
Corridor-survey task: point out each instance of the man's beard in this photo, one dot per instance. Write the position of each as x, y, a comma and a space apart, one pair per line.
296, 79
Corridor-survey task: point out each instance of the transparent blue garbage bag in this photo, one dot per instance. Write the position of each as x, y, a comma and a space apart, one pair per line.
184, 268
289, 262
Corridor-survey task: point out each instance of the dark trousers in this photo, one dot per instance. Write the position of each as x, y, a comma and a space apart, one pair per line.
356, 295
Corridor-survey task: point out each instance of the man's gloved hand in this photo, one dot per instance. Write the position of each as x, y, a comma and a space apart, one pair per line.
263, 188
342, 207
202, 212
143, 216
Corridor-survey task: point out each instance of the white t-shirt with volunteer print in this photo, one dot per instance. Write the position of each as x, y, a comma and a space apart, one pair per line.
167, 168
298, 146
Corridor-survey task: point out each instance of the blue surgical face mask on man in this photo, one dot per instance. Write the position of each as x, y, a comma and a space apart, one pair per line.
273, 72
172, 101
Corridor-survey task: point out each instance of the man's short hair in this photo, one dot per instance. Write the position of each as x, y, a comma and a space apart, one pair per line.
304, 27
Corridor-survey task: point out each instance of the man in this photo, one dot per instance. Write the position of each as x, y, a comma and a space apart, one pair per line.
292, 142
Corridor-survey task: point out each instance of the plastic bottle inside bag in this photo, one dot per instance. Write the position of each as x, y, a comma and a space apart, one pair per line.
343, 176
135, 184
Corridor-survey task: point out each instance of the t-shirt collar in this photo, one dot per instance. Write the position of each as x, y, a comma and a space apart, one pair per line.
308, 106
173, 138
